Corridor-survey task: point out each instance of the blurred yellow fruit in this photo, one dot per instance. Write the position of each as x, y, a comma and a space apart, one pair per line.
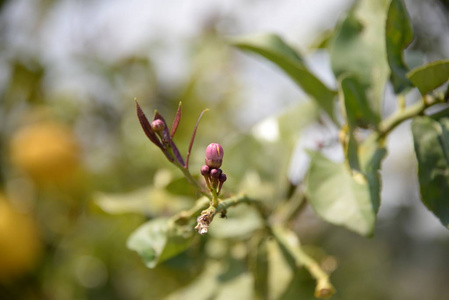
20, 246
46, 151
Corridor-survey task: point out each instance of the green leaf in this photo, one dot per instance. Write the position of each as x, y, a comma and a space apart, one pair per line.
351, 149
431, 139
159, 240
358, 48
356, 106
241, 223
428, 77
180, 186
259, 267
149, 201
371, 155
399, 34
339, 196
273, 48
220, 280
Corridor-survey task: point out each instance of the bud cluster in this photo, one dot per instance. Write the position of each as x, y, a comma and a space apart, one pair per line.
211, 171
214, 178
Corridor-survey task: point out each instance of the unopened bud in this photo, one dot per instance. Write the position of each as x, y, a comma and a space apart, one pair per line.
222, 177
214, 155
158, 125
215, 173
205, 170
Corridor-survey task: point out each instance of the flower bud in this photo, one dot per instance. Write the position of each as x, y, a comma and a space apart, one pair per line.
214, 155
222, 178
215, 173
157, 125
205, 170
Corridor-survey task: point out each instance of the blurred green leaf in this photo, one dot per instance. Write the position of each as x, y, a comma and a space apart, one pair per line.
292, 250
428, 77
221, 280
280, 269
339, 196
159, 240
358, 48
25, 83
431, 139
273, 48
351, 149
149, 201
204, 287
241, 222
180, 186
259, 268
399, 34
371, 155
356, 106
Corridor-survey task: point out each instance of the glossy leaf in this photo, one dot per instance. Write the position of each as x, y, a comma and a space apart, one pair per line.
399, 34
431, 139
358, 48
159, 240
356, 106
339, 196
428, 77
273, 48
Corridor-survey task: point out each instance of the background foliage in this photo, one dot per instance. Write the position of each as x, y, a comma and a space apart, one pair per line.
78, 176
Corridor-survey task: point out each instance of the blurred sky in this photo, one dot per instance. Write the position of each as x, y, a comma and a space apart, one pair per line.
113, 29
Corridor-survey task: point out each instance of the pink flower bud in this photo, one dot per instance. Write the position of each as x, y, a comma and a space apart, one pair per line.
157, 125
214, 155
215, 173
205, 170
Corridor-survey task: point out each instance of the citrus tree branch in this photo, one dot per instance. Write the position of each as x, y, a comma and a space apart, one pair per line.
386, 126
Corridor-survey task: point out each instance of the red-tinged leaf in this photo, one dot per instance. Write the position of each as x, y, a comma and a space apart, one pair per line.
176, 121
193, 137
177, 154
146, 126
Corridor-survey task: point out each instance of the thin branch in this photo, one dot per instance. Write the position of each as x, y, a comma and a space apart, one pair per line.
386, 126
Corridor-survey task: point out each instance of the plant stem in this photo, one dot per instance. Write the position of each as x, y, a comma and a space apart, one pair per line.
214, 198
203, 203
184, 216
386, 126
233, 201
289, 242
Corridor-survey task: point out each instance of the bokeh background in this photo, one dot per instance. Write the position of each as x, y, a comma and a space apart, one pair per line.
77, 174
